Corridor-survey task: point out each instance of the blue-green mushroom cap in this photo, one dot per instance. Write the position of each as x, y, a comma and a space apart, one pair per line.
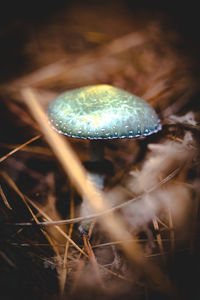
102, 112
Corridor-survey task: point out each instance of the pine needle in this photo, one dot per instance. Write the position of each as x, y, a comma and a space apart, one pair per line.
92, 259
24, 198
171, 231
16, 189
3, 196
159, 238
19, 147
31, 149
63, 275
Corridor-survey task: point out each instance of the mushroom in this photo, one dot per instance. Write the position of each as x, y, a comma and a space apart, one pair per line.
97, 113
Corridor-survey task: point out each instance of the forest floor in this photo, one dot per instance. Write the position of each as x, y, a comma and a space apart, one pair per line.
154, 191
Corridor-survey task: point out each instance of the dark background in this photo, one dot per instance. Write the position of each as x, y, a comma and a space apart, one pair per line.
18, 18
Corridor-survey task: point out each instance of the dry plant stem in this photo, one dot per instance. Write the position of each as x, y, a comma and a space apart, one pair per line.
91, 228
80, 268
116, 274
50, 209
3, 196
63, 275
137, 240
54, 247
34, 149
82, 262
19, 147
171, 232
159, 239
44, 215
94, 246
162, 223
92, 259
16, 189
73, 168
89, 234
79, 257
7, 259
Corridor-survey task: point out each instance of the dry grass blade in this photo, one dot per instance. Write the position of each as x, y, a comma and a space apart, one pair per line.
115, 274
119, 242
3, 196
7, 259
162, 223
89, 234
45, 216
92, 259
34, 149
73, 168
19, 147
171, 232
159, 239
16, 189
63, 275
13, 185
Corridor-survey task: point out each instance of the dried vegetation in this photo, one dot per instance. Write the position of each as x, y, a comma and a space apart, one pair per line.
143, 242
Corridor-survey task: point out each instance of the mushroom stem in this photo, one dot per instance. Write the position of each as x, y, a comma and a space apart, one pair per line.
96, 175
86, 209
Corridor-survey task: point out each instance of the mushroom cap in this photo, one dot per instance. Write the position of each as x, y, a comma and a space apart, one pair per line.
102, 112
